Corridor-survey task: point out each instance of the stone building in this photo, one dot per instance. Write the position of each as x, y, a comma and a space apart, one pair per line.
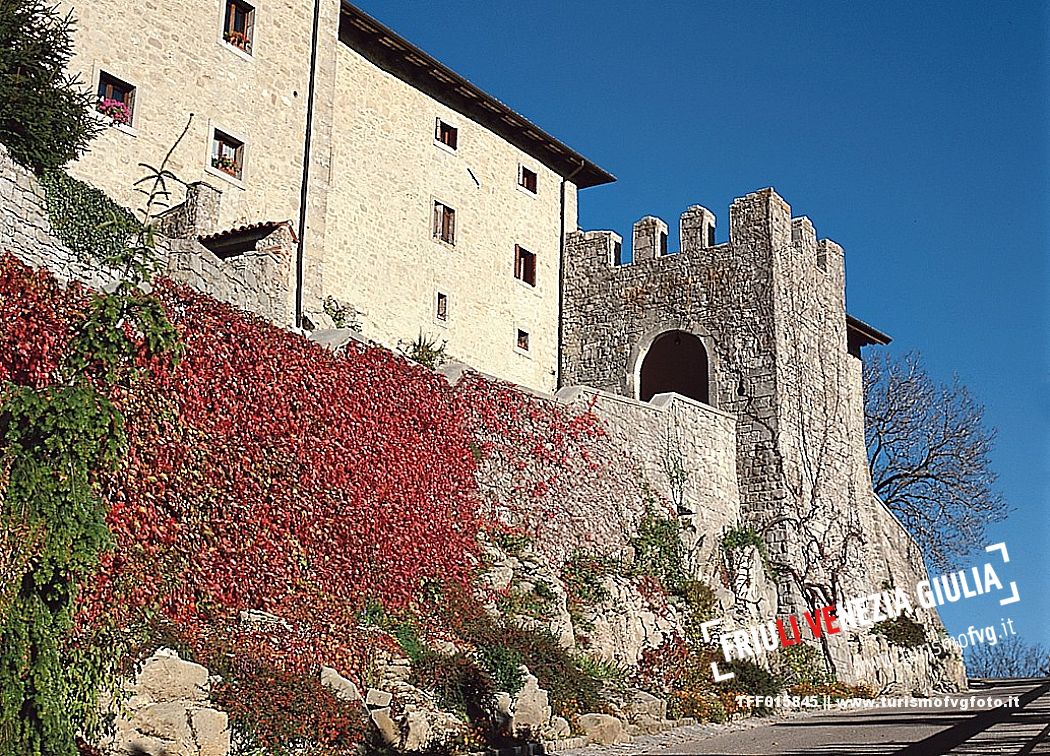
331, 158
419, 202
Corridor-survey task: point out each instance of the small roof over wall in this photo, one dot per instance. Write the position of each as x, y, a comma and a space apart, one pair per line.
860, 334
237, 241
391, 52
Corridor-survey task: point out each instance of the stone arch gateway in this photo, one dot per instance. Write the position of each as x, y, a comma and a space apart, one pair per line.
676, 361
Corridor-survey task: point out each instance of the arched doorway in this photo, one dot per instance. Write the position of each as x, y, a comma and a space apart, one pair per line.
676, 361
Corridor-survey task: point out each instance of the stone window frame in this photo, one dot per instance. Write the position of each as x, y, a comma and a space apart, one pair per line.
435, 232
641, 348
521, 265
97, 72
451, 123
245, 151
519, 331
252, 36
522, 187
438, 320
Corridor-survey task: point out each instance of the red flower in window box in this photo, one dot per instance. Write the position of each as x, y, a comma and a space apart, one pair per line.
239, 40
115, 109
227, 165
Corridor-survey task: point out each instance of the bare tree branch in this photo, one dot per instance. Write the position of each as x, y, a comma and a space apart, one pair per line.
928, 451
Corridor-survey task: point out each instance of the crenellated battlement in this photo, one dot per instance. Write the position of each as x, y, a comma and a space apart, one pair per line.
760, 220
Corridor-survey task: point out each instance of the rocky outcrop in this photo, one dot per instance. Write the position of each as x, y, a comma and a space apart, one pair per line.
168, 713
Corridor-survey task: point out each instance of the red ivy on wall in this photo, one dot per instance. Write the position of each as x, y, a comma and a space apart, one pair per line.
266, 473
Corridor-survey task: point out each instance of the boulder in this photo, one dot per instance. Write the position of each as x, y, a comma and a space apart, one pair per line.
378, 699
344, 689
417, 729
211, 731
645, 705
166, 721
166, 677
530, 708
558, 729
603, 729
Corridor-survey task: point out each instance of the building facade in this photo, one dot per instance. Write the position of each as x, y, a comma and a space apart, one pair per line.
421, 204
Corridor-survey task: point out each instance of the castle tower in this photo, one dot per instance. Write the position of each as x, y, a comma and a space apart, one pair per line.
756, 327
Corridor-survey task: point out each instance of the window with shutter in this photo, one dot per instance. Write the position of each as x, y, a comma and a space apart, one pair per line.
444, 223
116, 99
524, 265
239, 27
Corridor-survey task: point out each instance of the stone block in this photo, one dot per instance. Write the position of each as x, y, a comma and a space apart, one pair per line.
378, 699
603, 729
343, 688
211, 730
166, 677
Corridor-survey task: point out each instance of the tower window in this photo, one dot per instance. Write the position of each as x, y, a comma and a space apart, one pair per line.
227, 154
523, 340
444, 223
663, 242
239, 26
116, 99
527, 179
524, 265
446, 134
441, 308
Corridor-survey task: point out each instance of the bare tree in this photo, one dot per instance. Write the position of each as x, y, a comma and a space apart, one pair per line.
928, 450
1011, 657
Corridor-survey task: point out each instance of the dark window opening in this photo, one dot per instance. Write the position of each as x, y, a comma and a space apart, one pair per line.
710, 236
527, 179
239, 26
523, 340
447, 135
116, 99
524, 265
617, 253
663, 243
676, 361
441, 311
227, 154
444, 223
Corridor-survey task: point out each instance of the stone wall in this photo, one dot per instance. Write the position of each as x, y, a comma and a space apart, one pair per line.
259, 281
387, 172
769, 310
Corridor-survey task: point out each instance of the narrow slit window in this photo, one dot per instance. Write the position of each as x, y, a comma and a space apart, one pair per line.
441, 308
444, 223
523, 340
116, 99
663, 243
446, 134
617, 253
227, 154
527, 179
524, 265
239, 26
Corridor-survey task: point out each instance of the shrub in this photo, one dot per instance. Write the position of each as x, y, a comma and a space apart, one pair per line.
583, 575
803, 664
751, 679
460, 684
94, 227
901, 630
658, 550
832, 690
701, 604
426, 350
45, 118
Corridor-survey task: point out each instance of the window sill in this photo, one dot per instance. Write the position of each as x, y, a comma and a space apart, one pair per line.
529, 192
237, 182
445, 147
236, 50
531, 288
441, 323
448, 245
109, 123
523, 352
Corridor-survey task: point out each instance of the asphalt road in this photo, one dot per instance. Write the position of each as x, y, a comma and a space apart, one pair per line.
899, 731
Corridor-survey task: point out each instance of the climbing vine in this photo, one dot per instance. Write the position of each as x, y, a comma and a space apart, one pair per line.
93, 226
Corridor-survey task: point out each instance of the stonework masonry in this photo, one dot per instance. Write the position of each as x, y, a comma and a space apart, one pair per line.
376, 169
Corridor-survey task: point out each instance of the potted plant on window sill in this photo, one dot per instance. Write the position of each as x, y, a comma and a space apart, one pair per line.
116, 110
239, 40
227, 165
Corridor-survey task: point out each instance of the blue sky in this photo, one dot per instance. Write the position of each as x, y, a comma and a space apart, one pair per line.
914, 134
